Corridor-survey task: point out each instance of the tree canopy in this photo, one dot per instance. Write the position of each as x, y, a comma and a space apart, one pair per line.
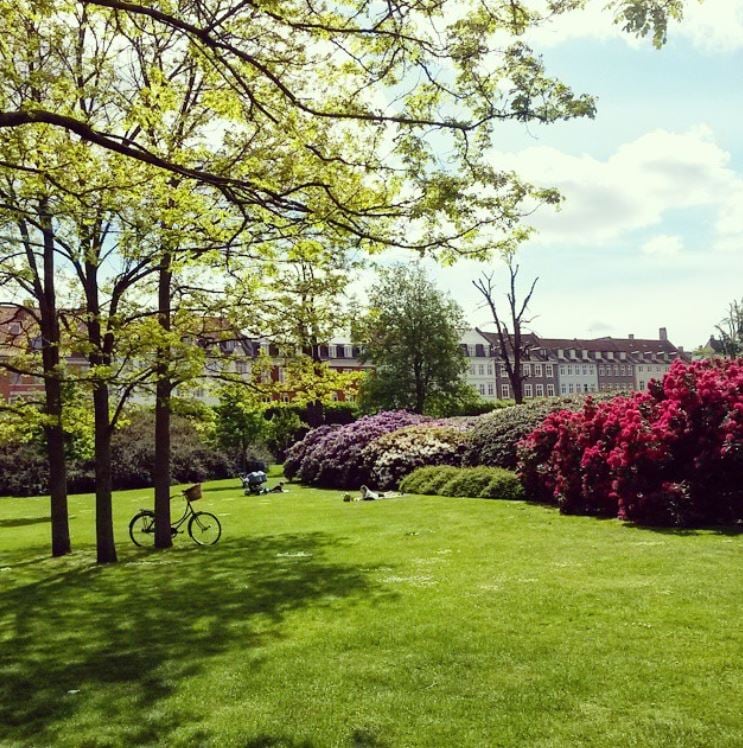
411, 332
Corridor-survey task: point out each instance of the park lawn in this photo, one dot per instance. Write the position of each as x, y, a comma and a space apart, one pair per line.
418, 621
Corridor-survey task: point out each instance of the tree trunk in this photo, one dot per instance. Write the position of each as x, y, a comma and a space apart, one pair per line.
53, 395
315, 409
163, 537
104, 527
57, 470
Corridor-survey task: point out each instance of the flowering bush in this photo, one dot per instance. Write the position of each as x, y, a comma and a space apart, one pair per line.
298, 451
479, 482
495, 436
334, 457
669, 456
391, 457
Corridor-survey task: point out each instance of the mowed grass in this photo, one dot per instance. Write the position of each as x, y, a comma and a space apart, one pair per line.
405, 622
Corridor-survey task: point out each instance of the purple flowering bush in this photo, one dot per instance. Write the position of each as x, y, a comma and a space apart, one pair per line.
334, 458
391, 457
296, 454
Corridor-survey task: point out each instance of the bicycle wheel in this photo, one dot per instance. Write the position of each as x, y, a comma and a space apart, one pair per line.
204, 528
142, 529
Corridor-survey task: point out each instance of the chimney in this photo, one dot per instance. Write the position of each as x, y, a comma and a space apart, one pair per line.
631, 336
662, 334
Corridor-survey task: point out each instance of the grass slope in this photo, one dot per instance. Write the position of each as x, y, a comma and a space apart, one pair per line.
407, 622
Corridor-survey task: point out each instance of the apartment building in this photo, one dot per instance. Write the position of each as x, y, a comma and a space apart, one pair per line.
563, 366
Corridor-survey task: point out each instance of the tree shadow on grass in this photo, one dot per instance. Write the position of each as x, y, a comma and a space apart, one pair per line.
730, 530
25, 521
96, 646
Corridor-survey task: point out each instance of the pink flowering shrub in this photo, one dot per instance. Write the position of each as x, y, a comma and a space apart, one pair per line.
392, 456
334, 458
669, 456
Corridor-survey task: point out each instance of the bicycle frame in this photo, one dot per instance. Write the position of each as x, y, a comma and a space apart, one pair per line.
187, 512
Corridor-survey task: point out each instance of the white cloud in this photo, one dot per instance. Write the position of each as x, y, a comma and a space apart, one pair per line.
635, 188
713, 26
663, 245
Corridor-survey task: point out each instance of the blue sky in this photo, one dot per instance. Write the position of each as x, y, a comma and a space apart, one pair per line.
651, 233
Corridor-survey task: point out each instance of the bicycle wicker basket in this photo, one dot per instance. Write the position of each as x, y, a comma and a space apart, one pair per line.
193, 493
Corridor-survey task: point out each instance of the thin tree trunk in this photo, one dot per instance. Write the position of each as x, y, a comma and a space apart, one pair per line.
163, 537
53, 396
104, 527
57, 470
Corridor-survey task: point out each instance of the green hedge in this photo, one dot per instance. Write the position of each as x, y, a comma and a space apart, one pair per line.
474, 482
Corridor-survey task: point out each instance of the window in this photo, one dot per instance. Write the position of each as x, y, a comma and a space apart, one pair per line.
550, 390
472, 370
537, 370
526, 369
481, 388
539, 389
585, 370
570, 388
490, 370
242, 367
527, 390
563, 389
549, 371
491, 389
481, 369
505, 391
285, 397
642, 384
585, 388
503, 371
640, 368
562, 371
621, 369
601, 371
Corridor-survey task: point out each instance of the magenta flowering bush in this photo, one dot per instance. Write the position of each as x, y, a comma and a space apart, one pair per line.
334, 458
391, 457
669, 456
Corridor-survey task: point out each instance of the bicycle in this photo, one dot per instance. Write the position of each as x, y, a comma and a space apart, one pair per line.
203, 527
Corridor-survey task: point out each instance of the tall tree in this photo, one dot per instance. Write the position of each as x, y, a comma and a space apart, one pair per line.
28, 271
411, 333
509, 326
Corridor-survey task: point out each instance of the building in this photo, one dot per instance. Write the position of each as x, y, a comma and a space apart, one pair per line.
564, 366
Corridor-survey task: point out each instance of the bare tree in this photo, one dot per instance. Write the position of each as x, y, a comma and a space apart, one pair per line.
512, 346
731, 330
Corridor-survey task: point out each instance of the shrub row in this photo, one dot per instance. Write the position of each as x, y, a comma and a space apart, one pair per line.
473, 482
24, 470
669, 456
333, 456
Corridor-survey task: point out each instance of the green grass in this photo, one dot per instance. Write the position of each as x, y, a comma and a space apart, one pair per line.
406, 622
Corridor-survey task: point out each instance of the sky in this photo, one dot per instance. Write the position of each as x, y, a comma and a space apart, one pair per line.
651, 231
